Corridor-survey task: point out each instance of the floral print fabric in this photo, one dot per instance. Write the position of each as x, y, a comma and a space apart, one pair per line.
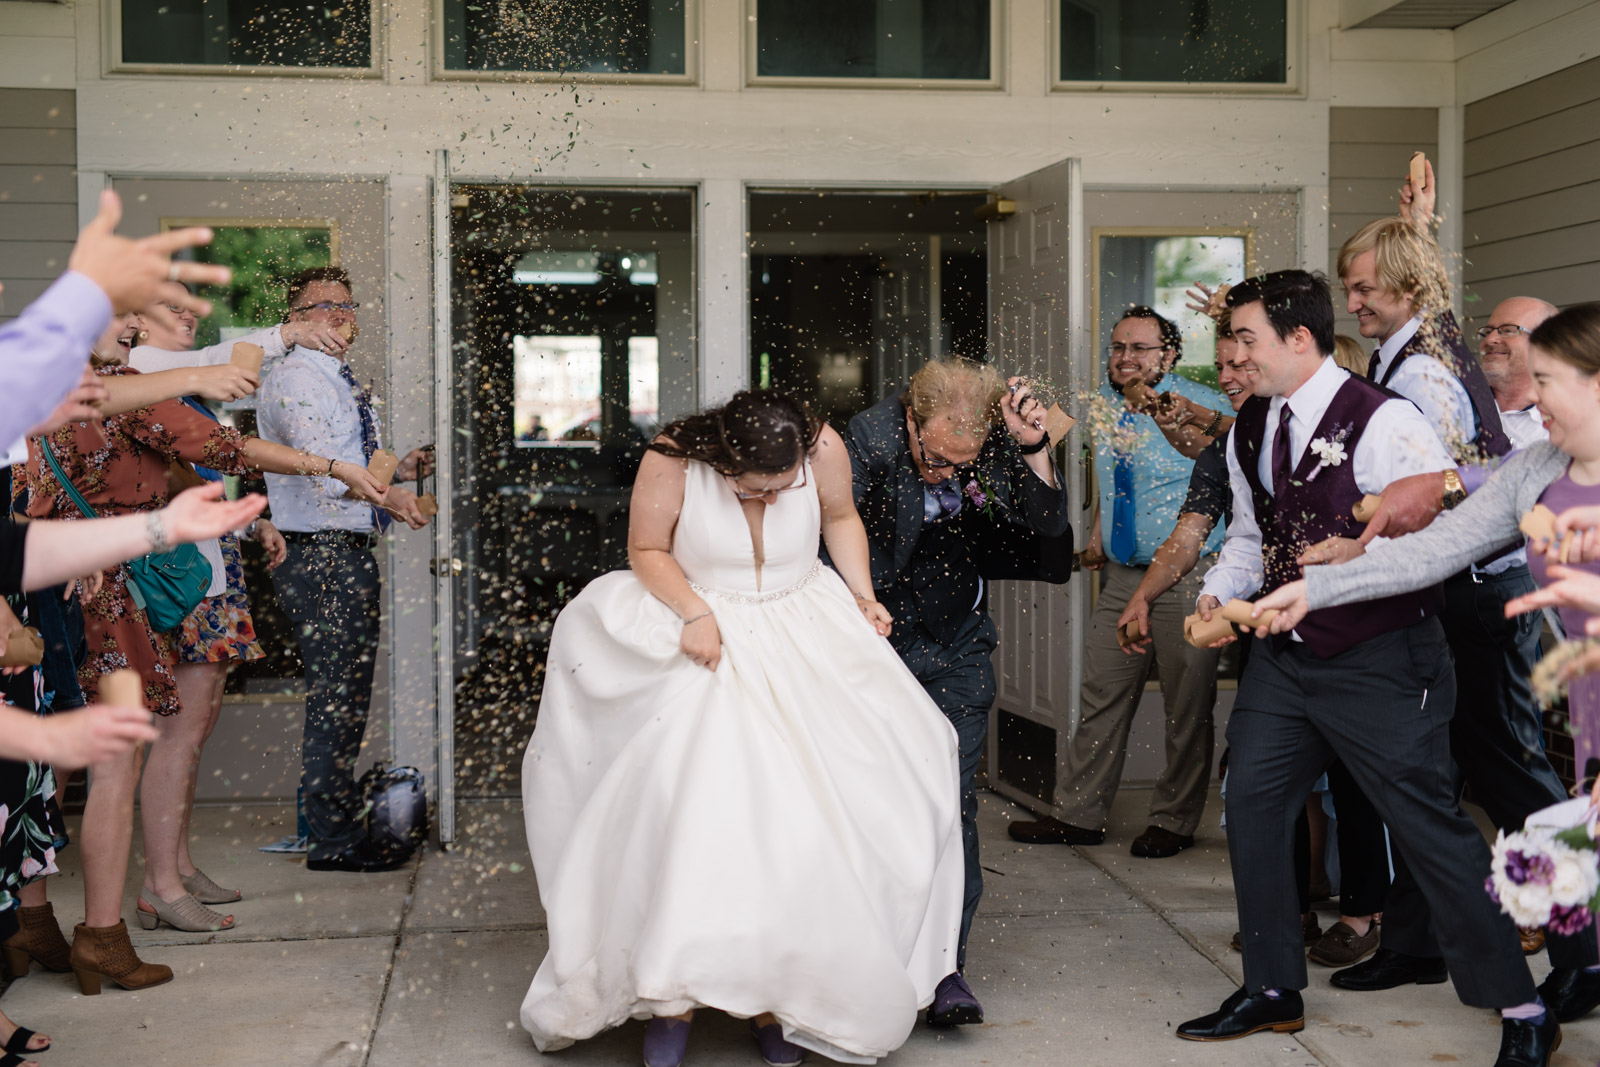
220, 628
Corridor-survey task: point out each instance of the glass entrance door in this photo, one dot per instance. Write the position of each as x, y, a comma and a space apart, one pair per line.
572, 340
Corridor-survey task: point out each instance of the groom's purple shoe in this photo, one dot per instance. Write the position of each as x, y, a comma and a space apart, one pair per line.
954, 1004
774, 1049
665, 1042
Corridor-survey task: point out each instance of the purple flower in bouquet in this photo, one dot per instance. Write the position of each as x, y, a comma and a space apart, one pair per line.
1525, 867
1567, 921
976, 494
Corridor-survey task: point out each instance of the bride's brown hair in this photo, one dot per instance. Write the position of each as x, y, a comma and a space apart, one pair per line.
758, 431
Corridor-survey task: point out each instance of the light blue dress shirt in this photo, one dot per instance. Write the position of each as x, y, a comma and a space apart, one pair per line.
305, 404
44, 351
1160, 473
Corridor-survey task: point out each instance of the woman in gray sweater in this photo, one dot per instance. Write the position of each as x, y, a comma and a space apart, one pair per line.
1564, 356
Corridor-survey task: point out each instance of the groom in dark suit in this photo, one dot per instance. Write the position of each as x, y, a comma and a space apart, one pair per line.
946, 504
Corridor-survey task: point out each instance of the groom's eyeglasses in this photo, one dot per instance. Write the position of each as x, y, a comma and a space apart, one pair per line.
934, 461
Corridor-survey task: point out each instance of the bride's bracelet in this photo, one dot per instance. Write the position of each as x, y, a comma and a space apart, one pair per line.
697, 618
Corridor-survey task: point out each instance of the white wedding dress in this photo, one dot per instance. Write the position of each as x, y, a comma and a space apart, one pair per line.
782, 835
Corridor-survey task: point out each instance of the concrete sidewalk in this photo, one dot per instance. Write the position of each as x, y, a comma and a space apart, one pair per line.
1084, 956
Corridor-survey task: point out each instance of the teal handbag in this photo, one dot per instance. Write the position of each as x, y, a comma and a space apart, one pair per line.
165, 586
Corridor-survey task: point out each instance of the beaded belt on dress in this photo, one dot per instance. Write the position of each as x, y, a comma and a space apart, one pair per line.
761, 598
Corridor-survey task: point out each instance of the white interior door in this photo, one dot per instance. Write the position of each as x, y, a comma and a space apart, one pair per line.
1037, 312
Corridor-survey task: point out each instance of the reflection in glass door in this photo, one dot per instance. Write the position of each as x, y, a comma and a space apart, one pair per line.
573, 334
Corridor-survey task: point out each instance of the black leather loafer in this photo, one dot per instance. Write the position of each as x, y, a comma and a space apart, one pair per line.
1526, 1044
1244, 1014
1157, 843
1048, 831
1387, 969
1571, 993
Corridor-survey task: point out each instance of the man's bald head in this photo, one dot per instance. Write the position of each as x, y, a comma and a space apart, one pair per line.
1503, 348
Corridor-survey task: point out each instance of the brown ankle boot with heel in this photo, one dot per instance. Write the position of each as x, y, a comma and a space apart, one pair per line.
105, 952
37, 940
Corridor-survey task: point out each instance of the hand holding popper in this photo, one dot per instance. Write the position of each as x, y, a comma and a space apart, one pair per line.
1236, 612
1364, 509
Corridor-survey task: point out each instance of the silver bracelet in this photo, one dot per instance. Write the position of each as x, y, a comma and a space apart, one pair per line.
697, 618
157, 532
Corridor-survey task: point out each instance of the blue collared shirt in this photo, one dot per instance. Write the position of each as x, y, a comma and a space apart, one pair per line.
43, 352
1160, 472
305, 404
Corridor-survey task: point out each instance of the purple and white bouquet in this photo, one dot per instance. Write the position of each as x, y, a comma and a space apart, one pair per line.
1548, 873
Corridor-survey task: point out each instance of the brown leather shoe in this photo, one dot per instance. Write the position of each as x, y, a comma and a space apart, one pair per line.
1532, 939
1048, 831
105, 952
1341, 946
1309, 930
37, 940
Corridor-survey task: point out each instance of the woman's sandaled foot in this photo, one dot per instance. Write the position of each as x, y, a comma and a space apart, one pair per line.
666, 1041
203, 889
183, 913
22, 1040
774, 1049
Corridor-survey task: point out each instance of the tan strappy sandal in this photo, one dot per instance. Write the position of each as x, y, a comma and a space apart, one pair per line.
185, 913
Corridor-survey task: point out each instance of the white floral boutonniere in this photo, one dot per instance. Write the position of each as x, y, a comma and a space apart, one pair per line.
1330, 451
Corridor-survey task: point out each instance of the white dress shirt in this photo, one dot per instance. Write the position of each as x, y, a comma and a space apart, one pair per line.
1433, 387
306, 404
1398, 441
1525, 426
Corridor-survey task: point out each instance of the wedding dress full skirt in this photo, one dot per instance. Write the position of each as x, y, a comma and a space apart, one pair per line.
782, 835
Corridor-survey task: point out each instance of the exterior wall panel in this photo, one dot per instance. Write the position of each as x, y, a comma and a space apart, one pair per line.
1532, 189
38, 191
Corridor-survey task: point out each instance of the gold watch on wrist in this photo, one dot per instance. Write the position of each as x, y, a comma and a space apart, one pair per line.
1454, 491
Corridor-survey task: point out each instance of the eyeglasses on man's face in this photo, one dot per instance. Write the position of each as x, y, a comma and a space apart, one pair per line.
756, 494
1116, 348
327, 305
1509, 330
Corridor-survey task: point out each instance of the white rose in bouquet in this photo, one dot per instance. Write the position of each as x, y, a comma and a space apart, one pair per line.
1576, 876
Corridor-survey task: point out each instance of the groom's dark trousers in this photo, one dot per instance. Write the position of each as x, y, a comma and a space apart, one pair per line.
1383, 706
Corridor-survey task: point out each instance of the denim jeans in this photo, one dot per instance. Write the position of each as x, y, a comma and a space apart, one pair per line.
330, 592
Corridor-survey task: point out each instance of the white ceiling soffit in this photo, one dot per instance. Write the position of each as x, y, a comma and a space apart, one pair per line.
1413, 14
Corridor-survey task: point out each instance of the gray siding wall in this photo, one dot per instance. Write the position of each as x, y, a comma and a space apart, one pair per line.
1532, 225
1369, 149
38, 191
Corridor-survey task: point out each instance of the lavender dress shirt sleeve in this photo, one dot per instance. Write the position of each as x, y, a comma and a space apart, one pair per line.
44, 351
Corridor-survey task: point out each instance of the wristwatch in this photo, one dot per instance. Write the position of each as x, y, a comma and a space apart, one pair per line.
1454, 491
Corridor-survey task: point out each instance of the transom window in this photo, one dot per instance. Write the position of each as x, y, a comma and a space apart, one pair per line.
242, 33
594, 37
1188, 41
882, 40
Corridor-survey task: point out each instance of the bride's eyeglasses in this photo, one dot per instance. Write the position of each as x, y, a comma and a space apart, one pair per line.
756, 494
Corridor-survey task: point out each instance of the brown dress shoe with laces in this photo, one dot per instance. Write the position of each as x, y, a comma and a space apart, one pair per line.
1341, 945
105, 952
1157, 843
37, 940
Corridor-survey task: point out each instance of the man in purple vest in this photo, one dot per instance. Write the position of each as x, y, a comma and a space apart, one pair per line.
1395, 281
1371, 684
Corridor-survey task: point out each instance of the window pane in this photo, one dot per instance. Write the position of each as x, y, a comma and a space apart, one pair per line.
924, 39
1155, 271
596, 37
1174, 40
560, 396
251, 33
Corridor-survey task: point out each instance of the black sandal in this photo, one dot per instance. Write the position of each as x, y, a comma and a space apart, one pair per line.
17, 1049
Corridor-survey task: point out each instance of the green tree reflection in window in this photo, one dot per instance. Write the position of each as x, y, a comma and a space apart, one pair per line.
263, 258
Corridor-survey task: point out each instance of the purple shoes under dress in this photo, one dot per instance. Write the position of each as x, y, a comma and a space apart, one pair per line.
666, 1040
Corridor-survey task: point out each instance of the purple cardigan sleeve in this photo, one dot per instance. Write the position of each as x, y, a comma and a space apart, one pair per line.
44, 351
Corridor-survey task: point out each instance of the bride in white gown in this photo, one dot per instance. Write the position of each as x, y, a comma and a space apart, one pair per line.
737, 797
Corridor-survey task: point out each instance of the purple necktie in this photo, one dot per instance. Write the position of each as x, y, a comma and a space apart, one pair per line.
1281, 470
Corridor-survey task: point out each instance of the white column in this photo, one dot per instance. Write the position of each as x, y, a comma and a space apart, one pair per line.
724, 269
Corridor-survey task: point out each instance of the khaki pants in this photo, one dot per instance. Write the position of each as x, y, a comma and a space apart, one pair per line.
1112, 685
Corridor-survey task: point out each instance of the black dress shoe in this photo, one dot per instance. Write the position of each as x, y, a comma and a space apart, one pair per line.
1571, 993
1048, 831
1387, 969
363, 857
1248, 1013
1157, 843
1528, 1044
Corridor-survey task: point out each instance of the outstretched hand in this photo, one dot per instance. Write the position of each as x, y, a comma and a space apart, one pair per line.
1416, 205
1206, 300
137, 273
200, 514
1567, 587
1408, 504
94, 734
1291, 605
